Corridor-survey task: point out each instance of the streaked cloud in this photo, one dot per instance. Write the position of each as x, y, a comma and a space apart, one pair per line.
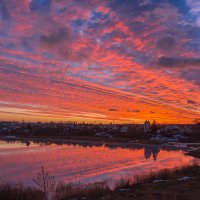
100, 60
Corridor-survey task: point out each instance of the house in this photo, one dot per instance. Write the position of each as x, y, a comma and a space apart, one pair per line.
124, 129
147, 126
103, 134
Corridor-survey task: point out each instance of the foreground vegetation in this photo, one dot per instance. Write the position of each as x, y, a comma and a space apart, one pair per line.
177, 183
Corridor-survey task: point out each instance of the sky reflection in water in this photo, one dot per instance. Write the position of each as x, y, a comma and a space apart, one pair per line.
19, 163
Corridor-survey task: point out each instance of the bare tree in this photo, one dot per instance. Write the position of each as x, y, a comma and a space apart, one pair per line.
46, 183
197, 121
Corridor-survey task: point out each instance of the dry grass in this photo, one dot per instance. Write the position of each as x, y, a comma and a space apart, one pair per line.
87, 191
62, 192
164, 174
143, 187
19, 192
168, 174
140, 184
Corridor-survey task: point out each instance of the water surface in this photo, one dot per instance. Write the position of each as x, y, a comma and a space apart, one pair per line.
20, 162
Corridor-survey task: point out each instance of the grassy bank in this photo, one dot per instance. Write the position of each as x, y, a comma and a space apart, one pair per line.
19, 192
62, 192
194, 153
177, 183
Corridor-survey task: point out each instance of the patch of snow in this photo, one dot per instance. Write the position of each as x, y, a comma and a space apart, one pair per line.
103, 134
160, 180
11, 137
184, 178
178, 145
124, 129
123, 190
159, 138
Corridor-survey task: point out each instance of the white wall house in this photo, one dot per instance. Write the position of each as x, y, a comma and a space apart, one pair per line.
147, 126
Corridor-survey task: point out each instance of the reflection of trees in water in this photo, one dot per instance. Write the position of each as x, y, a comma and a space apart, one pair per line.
148, 151
46, 142
28, 143
15, 141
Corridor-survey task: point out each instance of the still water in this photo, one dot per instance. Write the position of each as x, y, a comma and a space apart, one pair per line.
20, 162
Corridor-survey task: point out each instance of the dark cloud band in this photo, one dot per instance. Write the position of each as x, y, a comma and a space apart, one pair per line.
178, 62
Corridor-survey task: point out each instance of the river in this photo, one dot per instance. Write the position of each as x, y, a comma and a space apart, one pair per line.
20, 162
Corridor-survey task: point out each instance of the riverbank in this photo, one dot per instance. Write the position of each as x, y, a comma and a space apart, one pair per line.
194, 153
178, 183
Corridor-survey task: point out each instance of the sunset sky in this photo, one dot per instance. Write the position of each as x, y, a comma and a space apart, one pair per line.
100, 61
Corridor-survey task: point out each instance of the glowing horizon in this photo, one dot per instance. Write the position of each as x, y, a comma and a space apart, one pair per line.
100, 61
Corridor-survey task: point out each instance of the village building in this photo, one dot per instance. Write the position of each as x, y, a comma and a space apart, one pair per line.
147, 126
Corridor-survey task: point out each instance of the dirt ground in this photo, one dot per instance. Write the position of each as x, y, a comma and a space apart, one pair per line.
167, 190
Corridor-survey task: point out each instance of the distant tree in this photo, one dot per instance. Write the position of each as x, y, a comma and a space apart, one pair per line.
154, 122
197, 121
154, 127
195, 130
